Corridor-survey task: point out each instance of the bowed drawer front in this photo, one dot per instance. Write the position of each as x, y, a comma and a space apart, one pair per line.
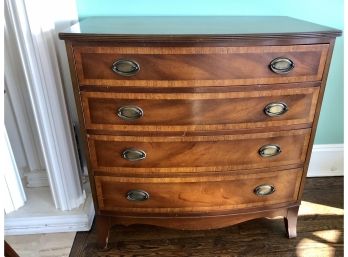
199, 111
199, 194
205, 124
199, 153
199, 66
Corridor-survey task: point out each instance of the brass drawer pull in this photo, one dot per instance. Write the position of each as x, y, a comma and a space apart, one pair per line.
132, 154
137, 195
125, 67
275, 109
264, 189
281, 65
130, 113
269, 150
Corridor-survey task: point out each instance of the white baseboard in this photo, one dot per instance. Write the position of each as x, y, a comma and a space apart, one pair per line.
326, 160
39, 215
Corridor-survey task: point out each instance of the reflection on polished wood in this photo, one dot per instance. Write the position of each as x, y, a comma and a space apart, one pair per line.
192, 112
319, 233
199, 67
194, 195
197, 153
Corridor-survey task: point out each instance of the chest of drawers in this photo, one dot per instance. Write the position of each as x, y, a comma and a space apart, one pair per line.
197, 122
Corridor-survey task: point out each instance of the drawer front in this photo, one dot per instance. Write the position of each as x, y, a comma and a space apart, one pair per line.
201, 112
199, 194
198, 66
197, 153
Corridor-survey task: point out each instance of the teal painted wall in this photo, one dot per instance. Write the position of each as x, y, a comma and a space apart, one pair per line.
329, 13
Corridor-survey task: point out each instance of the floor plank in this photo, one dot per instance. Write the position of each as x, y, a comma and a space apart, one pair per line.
320, 233
42, 245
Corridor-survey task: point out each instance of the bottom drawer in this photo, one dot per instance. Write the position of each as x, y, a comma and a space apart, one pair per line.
197, 194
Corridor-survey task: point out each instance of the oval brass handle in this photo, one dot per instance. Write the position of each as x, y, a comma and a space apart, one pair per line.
275, 109
137, 195
264, 189
130, 113
281, 65
269, 150
132, 154
125, 67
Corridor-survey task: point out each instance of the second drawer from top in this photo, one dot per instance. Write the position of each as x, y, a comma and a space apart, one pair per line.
199, 111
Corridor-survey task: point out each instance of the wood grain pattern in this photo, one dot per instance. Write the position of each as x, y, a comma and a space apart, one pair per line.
197, 153
196, 194
319, 233
191, 112
199, 223
201, 66
317, 112
203, 97
197, 90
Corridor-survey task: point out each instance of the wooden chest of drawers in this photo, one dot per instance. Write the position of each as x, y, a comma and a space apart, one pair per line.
197, 122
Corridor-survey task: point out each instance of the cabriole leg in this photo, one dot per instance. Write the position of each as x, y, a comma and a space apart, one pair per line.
103, 229
291, 221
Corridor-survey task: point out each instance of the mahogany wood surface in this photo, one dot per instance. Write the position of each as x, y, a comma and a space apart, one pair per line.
103, 230
290, 221
105, 223
199, 153
317, 113
205, 111
199, 66
195, 28
319, 233
199, 223
197, 194
197, 90
203, 95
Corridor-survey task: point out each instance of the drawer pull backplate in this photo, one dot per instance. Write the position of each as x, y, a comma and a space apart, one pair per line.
264, 189
125, 67
281, 65
269, 150
137, 195
130, 113
132, 154
275, 109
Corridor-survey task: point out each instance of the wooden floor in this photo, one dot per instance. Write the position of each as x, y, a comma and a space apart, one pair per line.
320, 233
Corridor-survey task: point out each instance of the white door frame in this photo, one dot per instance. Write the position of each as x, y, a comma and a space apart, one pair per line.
13, 192
36, 38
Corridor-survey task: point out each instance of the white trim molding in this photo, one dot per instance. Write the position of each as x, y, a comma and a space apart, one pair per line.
19, 117
326, 160
35, 35
39, 215
14, 195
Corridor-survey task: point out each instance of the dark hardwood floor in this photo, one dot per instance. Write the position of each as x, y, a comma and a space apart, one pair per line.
320, 233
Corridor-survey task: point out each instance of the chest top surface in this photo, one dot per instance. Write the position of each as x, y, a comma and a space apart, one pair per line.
195, 27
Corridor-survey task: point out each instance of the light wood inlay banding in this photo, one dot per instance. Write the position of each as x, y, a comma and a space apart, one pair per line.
199, 66
207, 194
197, 153
205, 111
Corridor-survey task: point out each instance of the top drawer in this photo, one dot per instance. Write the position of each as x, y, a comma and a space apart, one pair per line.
199, 66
